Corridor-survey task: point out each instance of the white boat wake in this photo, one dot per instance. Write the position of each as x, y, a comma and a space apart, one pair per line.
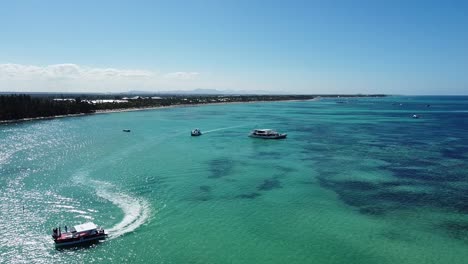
137, 211
224, 128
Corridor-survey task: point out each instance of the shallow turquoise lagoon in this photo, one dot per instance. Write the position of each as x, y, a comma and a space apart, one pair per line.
356, 181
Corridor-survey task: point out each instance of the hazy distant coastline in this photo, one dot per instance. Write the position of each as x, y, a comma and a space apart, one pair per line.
34, 106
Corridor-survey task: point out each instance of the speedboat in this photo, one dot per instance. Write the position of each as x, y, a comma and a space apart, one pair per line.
126, 130
415, 116
266, 134
78, 235
196, 132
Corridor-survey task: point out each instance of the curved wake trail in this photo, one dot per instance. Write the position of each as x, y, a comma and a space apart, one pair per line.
224, 128
137, 211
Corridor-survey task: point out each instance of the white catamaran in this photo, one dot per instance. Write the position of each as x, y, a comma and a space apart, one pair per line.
266, 134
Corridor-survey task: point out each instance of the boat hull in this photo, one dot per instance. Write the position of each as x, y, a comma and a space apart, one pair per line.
81, 241
196, 132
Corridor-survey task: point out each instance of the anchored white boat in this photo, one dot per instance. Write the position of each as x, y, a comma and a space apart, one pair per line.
266, 134
78, 235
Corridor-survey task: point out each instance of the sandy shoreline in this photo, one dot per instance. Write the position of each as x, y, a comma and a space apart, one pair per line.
138, 109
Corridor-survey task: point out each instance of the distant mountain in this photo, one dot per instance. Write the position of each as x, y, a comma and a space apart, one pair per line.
206, 92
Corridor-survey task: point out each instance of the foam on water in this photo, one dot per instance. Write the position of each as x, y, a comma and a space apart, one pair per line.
137, 211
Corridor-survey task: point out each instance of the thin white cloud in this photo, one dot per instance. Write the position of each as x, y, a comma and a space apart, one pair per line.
64, 71
73, 77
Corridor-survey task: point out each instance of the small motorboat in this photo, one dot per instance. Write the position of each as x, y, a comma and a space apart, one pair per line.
266, 134
196, 132
415, 116
126, 130
78, 235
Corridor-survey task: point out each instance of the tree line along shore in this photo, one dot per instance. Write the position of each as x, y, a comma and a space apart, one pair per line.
24, 106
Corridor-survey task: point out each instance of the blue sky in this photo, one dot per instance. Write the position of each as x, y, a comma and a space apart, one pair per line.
395, 47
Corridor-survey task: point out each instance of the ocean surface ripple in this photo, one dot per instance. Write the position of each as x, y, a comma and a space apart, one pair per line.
358, 180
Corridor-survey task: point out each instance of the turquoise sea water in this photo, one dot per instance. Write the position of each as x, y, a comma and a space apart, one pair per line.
356, 181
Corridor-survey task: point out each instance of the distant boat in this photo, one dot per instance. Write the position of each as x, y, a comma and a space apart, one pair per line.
415, 116
126, 130
196, 132
78, 235
266, 134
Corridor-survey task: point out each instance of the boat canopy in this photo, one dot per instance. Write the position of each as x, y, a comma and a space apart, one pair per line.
85, 227
264, 130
